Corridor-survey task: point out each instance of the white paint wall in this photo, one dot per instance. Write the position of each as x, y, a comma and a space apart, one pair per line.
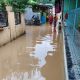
20, 29
11, 21
28, 13
4, 36
12, 31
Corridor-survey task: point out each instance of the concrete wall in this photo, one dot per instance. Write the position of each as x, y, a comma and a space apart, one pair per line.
4, 36
12, 31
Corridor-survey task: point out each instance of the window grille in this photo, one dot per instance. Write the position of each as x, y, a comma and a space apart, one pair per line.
3, 19
17, 18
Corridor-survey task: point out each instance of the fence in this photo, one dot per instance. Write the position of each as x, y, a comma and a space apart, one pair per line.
74, 25
73, 39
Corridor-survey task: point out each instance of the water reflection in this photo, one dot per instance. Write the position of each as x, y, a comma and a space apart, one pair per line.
33, 75
28, 54
44, 48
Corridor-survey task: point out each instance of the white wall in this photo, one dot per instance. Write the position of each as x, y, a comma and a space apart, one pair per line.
12, 31
20, 29
4, 36
11, 21
28, 13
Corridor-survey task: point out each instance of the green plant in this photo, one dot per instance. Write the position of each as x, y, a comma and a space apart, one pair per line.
18, 5
2, 5
8, 2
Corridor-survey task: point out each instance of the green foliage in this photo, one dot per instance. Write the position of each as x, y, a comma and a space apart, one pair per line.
2, 5
1, 1
18, 5
8, 2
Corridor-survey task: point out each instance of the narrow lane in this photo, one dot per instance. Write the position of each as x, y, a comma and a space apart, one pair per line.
37, 55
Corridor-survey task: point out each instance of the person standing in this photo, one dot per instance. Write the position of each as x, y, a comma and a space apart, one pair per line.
50, 19
55, 21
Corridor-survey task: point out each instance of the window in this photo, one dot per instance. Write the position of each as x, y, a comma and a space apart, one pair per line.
3, 19
17, 18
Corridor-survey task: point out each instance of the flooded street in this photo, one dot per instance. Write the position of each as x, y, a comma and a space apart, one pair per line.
37, 55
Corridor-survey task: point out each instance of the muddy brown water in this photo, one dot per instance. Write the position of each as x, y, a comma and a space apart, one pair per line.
37, 55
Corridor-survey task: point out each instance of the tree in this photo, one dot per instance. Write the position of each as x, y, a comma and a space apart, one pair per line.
18, 5
2, 5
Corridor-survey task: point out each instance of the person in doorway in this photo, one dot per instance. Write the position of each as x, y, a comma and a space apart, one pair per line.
59, 27
55, 21
50, 19
47, 18
66, 16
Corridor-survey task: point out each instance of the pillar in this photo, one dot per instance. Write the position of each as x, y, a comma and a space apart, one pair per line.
23, 23
11, 22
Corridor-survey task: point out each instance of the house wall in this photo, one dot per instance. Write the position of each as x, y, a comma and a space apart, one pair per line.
12, 31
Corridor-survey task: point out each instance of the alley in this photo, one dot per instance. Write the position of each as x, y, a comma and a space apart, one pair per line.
37, 55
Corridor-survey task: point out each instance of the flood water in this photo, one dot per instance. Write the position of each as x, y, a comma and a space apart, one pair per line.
37, 55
